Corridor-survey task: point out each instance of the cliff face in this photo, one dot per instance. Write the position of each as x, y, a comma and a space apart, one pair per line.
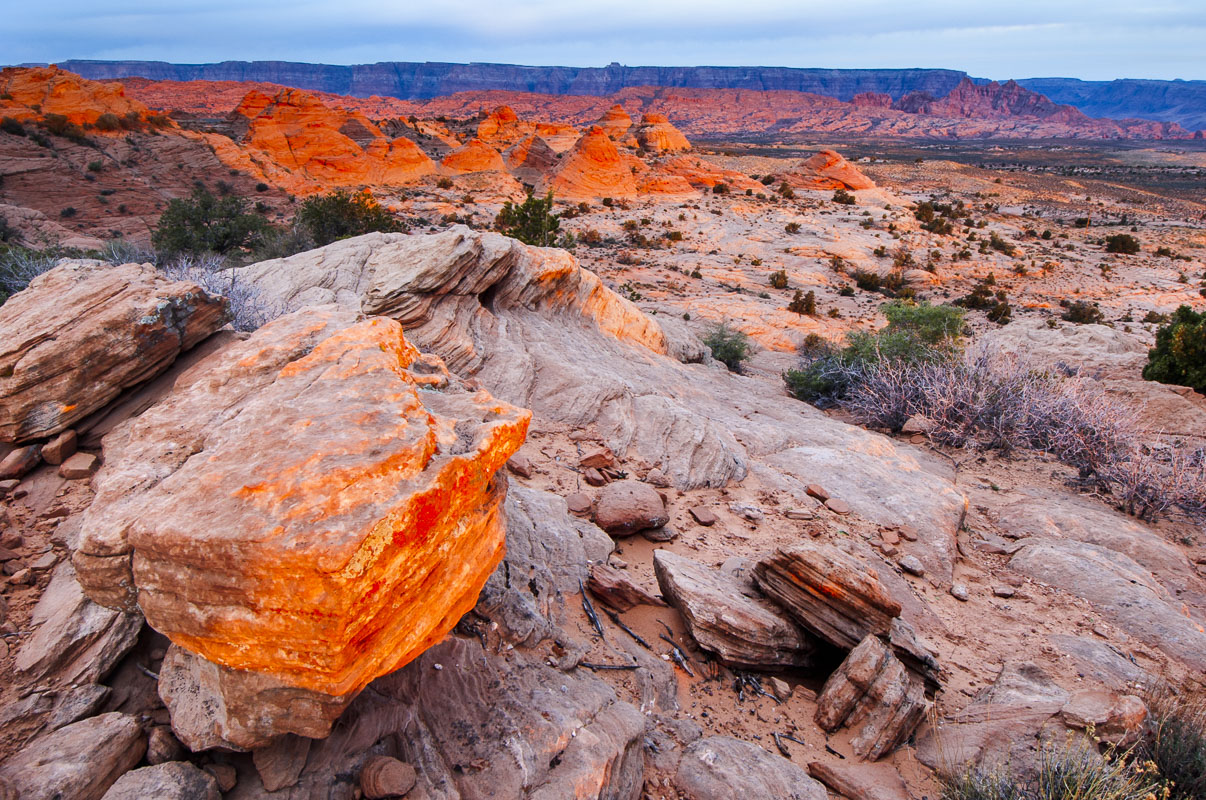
1168, 101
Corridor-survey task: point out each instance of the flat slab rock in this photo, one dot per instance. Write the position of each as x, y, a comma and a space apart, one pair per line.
372, 481
83, 332
80, 761
742, 631
175, 780
723, 768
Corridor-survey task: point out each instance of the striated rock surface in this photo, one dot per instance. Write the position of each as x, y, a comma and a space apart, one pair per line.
83, 332
702, 174
306, 521
594, 168
656, 134
80, 761
724, 768
826, 170
742, 631
530, 159
475, 156
175, 780
36, 91
615, 122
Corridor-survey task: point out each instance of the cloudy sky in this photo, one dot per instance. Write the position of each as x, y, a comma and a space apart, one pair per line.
1092, 39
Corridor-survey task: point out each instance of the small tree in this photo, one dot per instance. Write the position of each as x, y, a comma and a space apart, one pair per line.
1122, 243
729, 347
531, 222
804, 303
778, 280
1179, 356
843, 197
342, 214
207, 224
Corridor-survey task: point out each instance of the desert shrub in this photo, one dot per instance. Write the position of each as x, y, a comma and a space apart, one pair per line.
531, 222
68, 212
1001, 245
786, 191
1179, 356
868, 281
19, 266
846, 291
1081, 312
804, 303
203, 223
1174, 740
7, 232
10, 125
730, 347
720, 188
778, 279
1122, 243
247, 307
843, 197
341, 214
59, 125
792, 227
994, 302
108, 122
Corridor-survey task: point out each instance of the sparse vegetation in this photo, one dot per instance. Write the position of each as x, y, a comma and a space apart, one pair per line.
805, 304
531, 222
342, 214
730, 347
207, 224
1082, 312
778, 279
1122, 243
1179, 356
843, 198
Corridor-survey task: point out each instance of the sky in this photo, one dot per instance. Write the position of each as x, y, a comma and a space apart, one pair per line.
1090, 39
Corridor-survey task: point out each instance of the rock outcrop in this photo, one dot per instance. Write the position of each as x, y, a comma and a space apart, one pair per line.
720, 768
80, 761
655, 134
615, 123
825, 170
742, 631
33, 92
407, 501
475, 156
83, 332
592, 169
530, 159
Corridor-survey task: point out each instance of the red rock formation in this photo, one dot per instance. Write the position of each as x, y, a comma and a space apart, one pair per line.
825, 170
476, 156
615, 122
313, 557
705, 175
593, 169
657, 135
990, 101
871, 100
531, 159
34, 92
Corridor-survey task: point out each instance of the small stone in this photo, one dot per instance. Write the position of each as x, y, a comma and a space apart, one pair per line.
12, 540
837, 506
594, 477
704, 516
80, 466
23, 577
162, 746
599, 458
890, 536
19, 462
908, 533
663, 534
1004, 591
915, 425
747, 510
817, 491
657, 478
519, 464
60, 448
8, 555
383, 777
579, 503
14, 565
799, 513
959, 592
45, 561
887, 549
225, 774
912, 565
779, 687
7, 486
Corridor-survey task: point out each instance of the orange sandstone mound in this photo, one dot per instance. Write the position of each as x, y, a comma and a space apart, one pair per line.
33, 92
353, 535
826, 170
531, 159
503, 127
657, 135
705, 175
302, 144
476, 156
594, 168
615, 122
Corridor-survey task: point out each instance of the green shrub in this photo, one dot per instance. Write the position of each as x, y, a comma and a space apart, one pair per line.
59, 125
1122, 243
720, 188
786, 191
1179, 356
1001, 245
342, 214
531, 222
444, 183
206, 224
108, 122
1081, 312
10, 125
804, 303
778, 280
995, 303
792, 227
843, 197
729, 347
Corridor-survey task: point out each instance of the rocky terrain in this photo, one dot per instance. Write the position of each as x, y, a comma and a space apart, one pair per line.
474, 518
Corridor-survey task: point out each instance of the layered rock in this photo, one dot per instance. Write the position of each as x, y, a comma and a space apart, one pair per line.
502, 127
825, 170
33, 92
742, 631
705, 175
80, 761
360, 530
721, 767
594, 168
615, 123
530, 159
475, 156
83, 332
656, 135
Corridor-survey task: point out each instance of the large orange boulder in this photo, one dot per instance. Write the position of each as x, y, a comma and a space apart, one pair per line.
704, 174
826, 170
32, 92
594, 168
82, 333
307, 510
476, 156
657, 135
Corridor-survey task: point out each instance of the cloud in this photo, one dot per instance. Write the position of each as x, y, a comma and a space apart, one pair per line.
1103, 39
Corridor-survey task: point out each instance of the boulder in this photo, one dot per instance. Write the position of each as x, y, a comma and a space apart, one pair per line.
372, 480
627, 507
825, 170
742, 631
723, 768
1115, 719
530, 159
383, 776
860, 781
617, 590
60, 448
874, 693
174, 780
80, 761
83, 332
20, 462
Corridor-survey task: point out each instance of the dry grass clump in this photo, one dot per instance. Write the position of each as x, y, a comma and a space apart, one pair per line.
1174, 741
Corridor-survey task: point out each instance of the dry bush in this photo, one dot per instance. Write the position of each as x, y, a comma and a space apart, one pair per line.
248, 308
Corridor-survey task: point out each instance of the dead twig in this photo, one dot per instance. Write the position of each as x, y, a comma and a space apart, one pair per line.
678, 655
589, 608
614, 617
596, 667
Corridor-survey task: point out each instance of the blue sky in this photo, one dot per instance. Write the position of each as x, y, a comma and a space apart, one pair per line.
1096, 40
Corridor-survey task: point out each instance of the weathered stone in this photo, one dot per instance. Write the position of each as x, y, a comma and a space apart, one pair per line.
912, 565
747, 511
74, 641
704, 516
617, 590
959, 592
815, 490
740, 630
594, 477
837, 506
873, 692
226, 775
404, 498
520, 465
80, 761
60, 448
79, 467
383, 777
162, 746
579, 503
660, 535
1116, 719
598, 458
281, 762
627, 507
20, 462
83, 332
723, 768
174, 780
828, 592
916, 425
860, 781
1001, 590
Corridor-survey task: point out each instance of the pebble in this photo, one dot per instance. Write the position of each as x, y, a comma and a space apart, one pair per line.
959, 592
1004, 591
912, 565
